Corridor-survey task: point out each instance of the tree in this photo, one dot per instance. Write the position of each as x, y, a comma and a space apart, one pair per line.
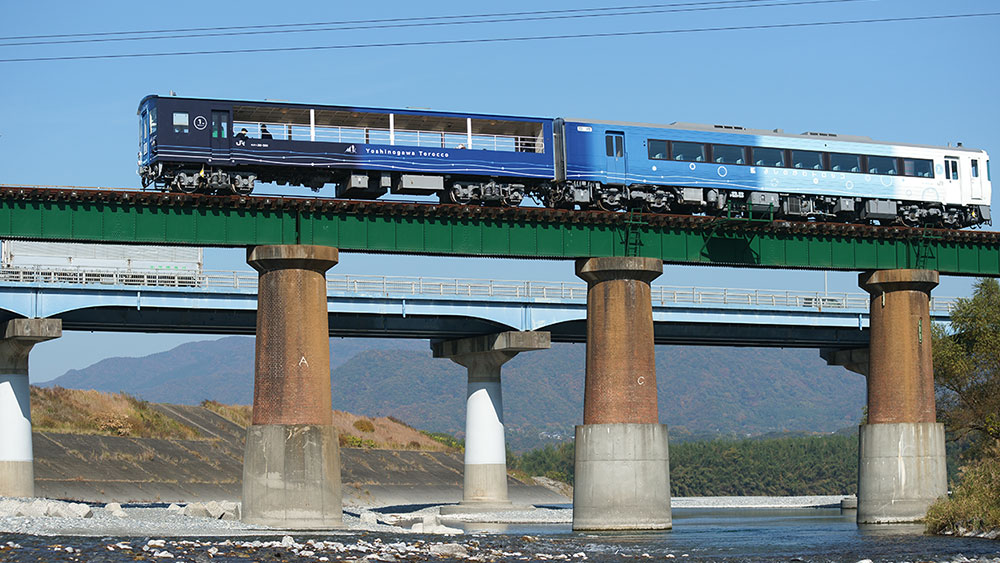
967, 367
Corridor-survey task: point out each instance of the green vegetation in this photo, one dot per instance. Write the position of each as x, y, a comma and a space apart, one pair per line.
967, 368
352, 441
554, 462
810, 465
975, 502
364, 425
967, 376
448, 440
814, 465
74, 411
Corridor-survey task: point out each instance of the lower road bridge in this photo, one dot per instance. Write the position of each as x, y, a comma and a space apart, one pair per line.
225, 302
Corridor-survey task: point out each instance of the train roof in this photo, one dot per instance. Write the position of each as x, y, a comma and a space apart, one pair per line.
300, 105
778, 133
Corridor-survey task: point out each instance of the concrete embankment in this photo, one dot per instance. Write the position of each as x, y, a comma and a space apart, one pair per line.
112, 468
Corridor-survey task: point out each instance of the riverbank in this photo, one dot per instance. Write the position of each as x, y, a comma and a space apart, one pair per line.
808, 535
58, 518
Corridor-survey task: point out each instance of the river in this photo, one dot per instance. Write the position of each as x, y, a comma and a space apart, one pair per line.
730, 535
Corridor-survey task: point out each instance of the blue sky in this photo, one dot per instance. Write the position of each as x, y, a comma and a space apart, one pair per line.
74, 123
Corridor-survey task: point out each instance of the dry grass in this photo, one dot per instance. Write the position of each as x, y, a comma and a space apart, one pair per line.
239, 414
385, 433
78, 411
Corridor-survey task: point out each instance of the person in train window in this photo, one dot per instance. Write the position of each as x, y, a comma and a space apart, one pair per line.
264, 133
242, 135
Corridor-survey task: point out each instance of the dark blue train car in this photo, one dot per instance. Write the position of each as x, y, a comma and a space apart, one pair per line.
192, 145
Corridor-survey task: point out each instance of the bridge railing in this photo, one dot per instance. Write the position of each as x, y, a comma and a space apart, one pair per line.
397, 286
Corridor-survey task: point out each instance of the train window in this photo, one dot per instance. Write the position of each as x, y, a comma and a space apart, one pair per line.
609, 144
918, 167
975, 168
619, 145
951, 169
882, 165
729, 154
657, 149
181, 122
807, 159
690, 152
845, 162
152, 120
768, 157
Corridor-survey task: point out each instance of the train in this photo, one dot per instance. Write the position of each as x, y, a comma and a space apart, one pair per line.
196, 145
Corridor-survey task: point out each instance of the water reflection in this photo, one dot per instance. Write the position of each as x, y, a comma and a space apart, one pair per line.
808, 534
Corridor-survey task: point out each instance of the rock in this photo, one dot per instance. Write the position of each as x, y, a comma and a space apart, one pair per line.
156, 543
231, 510
175, 508
9, 507
76, 510
432, 525
368, 517
195, 510
865, 561
34, 509
115, 509
214, 510
165, 554
449, 550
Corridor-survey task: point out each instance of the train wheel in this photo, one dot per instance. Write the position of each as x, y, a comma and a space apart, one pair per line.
185, 183
461, 196
241, 186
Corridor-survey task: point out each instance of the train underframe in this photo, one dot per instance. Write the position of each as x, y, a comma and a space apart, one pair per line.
737, 204
756, 204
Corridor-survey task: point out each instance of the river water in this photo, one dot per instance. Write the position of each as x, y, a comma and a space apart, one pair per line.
731, 535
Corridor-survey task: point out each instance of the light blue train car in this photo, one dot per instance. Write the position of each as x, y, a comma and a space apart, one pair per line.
685, 167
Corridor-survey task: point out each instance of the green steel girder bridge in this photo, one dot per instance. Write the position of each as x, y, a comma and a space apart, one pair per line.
139, 217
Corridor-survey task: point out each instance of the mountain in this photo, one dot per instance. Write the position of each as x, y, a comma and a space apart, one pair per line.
702, 390
221, 370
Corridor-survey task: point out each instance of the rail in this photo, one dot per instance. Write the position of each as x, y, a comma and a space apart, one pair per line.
402, 286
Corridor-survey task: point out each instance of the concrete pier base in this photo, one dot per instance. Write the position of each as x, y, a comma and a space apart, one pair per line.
622, 477
901, 471
294, 476
485, 478
291, 465
17, 338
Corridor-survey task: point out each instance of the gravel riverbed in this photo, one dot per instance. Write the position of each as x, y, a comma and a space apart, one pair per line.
419, 533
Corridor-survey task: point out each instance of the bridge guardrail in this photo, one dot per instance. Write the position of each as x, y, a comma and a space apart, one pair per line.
390, 286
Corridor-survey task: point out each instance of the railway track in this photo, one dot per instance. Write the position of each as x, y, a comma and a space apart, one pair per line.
139, 197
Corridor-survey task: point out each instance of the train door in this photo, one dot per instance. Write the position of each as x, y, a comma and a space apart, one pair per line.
951, 177
144, 136
614, 149
976, 178
220, 134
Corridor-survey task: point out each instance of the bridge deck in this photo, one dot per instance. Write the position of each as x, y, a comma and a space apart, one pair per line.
130, 216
